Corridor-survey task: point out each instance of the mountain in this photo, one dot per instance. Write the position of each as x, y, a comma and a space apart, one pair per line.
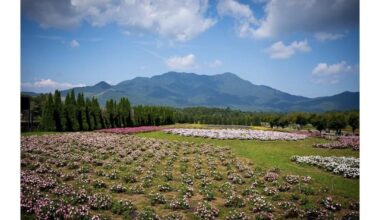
90, 91
31, 94
222, 90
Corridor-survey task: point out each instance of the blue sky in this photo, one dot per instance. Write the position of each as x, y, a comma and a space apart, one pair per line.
308, 48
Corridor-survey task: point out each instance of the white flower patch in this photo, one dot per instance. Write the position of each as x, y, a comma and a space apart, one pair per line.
242, 134
346, 166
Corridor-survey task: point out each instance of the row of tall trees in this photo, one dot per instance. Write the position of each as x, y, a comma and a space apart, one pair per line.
217, 116
119, 114
153, 115
74, 114
77, 113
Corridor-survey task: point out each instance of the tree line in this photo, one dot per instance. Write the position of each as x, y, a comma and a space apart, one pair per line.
77, 113
335, 121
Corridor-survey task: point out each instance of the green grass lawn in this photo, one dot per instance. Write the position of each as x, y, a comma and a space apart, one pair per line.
39, 133
269, 154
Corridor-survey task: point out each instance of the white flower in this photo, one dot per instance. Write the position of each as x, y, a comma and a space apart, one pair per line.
242, 134
346, 166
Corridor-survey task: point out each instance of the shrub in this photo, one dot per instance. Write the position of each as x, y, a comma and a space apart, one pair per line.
118, 188
137, 189
292, 179
165, 188
98, 184
173, 216
205, 211
217, 175
123, 207
167, 176
208, 192
284, 187
271, 177
148, 214
330, 204
157, 198
129, 178
258, 204
100, 201
235, 201
186, 190
236, 178
181, 203
236, 215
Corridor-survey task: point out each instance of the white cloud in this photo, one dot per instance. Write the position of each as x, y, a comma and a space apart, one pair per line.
47, 85
332, 73
181, 20
324, 36
234, 9
181, 63
292, 16
74, 43
279, 50
241, 12
284, 17
216, 63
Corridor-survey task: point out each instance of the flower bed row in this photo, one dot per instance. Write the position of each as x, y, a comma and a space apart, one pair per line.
346, 166
343, 142
131, 130
242, 134
93, 175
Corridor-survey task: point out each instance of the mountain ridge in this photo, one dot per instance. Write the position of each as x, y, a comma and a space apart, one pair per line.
180, 89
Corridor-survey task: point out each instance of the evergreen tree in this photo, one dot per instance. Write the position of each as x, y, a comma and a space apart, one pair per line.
71, 121
58, 111
111, 116
81, 113
89, 112
47, 121
97, 114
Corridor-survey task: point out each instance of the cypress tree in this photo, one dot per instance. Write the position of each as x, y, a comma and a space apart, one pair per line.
97, 114
58, 111
89, 112
47, 122
130, 117
111, 116
81, 113
124, 108
66, 110
71, 121
129, 114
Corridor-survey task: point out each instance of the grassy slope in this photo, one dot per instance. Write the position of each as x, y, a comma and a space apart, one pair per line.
269, 154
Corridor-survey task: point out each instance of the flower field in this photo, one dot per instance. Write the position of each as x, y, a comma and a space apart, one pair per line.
241, 134
97, 175
346, 166
131, 130
341, 143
